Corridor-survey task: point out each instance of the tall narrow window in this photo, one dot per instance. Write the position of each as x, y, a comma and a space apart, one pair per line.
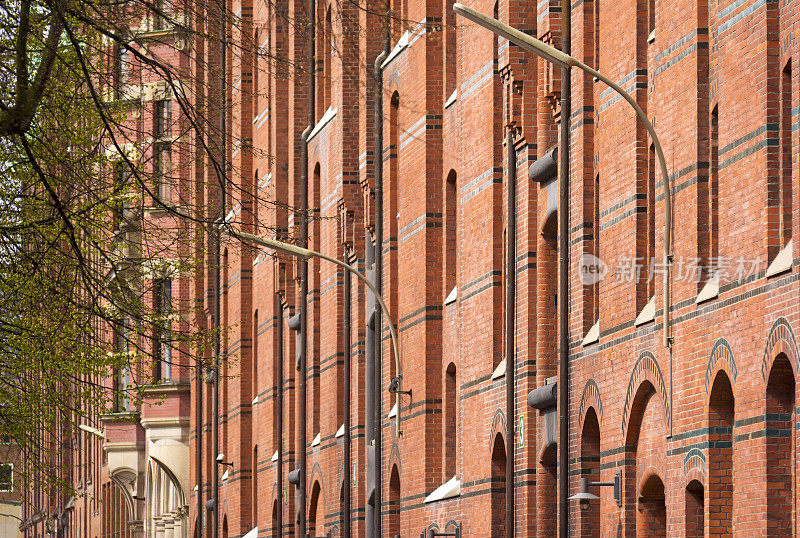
255, 486
394, 503
121, 70
450, 422
163, 366
650, 259
255, 203
162, 118
785, 188
713, 191
597, 253
254, 379
162, 167
122, 377
162, 14
450, 59
596, 32
122, 173
450, 233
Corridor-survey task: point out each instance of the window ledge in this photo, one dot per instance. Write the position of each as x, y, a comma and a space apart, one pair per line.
451, 99
274, 456
451, 298
224, 476
593, 335
782, 262
709, 291
252, 533
402, 43
317, 440
393, 412
255, 400
648, 313
325, 120
500, 371
448, 490
340, 431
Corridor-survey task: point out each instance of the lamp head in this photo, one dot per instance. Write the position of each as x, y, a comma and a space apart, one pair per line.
220, 458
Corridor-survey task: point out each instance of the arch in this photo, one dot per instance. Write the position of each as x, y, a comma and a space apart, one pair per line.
781, 339
590, 469
275, 530
225, 526
590, 398
498, 487
313, 508
498, 427
780, 440
652, 508
450, 235
394, 457
165, 499
449, 420
393, 508
693, 509
646, 370
720, 483
721, 358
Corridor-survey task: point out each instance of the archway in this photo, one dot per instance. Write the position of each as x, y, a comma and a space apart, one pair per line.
780, 447
498, 481
275, 530
651, 505
694, 506
313, 509
721, 495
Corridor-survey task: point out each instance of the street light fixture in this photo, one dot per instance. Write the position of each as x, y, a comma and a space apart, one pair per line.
566, 61
305, 253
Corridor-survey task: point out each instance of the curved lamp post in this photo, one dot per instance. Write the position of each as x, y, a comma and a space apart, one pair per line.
305, 253
566, 61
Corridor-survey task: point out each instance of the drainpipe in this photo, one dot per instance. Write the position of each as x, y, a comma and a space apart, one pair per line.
302, 357
279, 405
373, 370
199, 452
510, 325
217, 238
346, 456
563, 280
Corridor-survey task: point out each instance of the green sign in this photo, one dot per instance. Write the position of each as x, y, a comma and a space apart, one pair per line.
354, 473
522, 431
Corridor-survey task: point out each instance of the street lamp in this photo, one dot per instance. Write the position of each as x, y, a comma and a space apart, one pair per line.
305, 253
566, 61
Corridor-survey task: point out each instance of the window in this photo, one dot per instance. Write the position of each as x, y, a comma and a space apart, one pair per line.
162, 165
122, 378
163, 307
162, 14
449, 429
450, 61
162, 118
785, 186
6, 477
254, 380
122, 67
713, 191
122, 174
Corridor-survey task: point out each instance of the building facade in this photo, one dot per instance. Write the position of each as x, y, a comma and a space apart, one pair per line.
410, 184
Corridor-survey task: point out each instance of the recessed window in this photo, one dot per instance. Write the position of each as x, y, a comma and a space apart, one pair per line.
6, 477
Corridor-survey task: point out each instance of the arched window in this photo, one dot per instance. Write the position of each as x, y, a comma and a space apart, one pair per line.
694, 506
652, 519
313, 510
390, 213
254, 378
450, 232
255, 486
590, 469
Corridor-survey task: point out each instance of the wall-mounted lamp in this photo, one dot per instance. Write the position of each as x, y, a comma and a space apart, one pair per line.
221, 460
433, 533
394, 386
583, 497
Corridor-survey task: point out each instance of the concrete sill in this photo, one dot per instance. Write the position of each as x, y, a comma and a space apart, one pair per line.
340, 431
166, 387
324, 120
317, 440
593, 335
255, 400
402, 43
224, 476
451, 99
252, 533
500, 371
648, 313
782, 262
392, 412
448, 490
709, 291
451, 298
274, 456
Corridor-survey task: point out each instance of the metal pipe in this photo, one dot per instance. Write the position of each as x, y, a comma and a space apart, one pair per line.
378, 372
511, 241
279, 406
302, 336
346, 448
563, 278
216, 234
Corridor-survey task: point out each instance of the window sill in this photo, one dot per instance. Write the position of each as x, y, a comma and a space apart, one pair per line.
500, 371
782, 262
648, 312
593, 335
448, 490
709, 291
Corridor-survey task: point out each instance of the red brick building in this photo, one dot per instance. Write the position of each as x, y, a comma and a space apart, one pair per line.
703, 431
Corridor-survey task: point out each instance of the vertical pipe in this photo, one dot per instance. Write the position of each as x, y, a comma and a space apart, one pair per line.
216, 234
563, 279
378, 372
369, 403
346, 449
511, 279
303, 442
279, 407
199, 527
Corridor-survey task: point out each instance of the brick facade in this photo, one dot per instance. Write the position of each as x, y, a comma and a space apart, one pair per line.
704, 432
